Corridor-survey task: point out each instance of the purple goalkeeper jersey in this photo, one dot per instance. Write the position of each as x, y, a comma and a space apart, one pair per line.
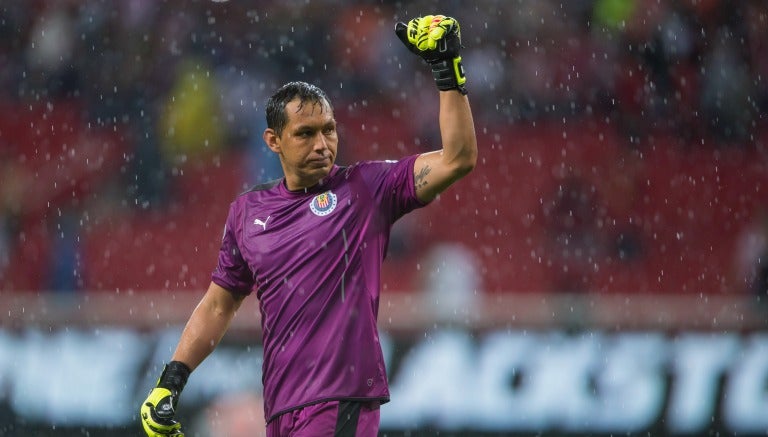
314, 259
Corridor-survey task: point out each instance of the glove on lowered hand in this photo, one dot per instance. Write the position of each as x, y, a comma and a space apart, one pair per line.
158, 411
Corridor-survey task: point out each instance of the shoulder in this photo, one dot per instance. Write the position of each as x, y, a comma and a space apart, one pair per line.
266, 186
259, 191
380, 166
254, 195
374, 163
381, 176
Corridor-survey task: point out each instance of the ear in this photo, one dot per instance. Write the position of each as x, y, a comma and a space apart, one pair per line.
272, 140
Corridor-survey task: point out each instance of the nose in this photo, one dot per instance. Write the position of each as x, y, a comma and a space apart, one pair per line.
321, 143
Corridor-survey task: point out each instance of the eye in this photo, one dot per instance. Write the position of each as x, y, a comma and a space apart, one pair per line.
329, 130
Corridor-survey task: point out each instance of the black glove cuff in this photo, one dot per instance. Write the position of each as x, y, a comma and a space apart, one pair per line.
449, 75
174, 377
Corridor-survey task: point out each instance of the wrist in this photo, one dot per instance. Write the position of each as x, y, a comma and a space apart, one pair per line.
174, 377
449, 74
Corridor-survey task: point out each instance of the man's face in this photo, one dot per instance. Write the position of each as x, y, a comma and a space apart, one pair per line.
307, 145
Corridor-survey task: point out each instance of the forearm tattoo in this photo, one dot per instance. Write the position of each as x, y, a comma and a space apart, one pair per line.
421, 177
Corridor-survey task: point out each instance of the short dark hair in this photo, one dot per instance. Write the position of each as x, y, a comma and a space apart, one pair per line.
307, 93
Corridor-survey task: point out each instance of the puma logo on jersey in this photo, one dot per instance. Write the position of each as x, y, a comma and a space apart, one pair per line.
263, 224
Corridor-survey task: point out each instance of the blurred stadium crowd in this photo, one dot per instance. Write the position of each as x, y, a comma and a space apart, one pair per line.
623, 142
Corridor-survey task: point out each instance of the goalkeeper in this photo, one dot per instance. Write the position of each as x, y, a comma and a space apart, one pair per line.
311, 244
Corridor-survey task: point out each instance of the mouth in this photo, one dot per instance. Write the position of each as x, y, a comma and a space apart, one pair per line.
319, 162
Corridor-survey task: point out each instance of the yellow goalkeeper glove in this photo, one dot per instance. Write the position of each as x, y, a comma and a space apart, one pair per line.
437, 40
158, 411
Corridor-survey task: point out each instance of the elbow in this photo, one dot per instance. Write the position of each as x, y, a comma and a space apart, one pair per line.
464, 169
472, 160
460, 157
467, 162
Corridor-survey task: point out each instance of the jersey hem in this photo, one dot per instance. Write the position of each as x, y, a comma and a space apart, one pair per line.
381, 399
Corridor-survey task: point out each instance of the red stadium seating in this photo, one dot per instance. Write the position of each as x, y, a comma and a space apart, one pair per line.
681, 208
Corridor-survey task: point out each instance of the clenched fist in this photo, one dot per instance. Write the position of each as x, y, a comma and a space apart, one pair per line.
437, 40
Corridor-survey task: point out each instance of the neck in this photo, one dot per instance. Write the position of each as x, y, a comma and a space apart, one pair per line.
298, 184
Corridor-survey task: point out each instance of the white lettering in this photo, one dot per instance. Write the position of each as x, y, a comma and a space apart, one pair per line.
502, 394
69, 376
435, 383
699, 362
558, 369
745, 407
588, 383
630, 386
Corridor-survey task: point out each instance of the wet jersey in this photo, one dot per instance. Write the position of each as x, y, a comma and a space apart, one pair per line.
313, 257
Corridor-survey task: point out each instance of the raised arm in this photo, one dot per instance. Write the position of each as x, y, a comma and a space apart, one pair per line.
434, 171
437, 40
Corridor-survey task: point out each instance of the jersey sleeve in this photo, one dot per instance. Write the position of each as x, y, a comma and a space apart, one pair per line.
392, 184
232, 272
